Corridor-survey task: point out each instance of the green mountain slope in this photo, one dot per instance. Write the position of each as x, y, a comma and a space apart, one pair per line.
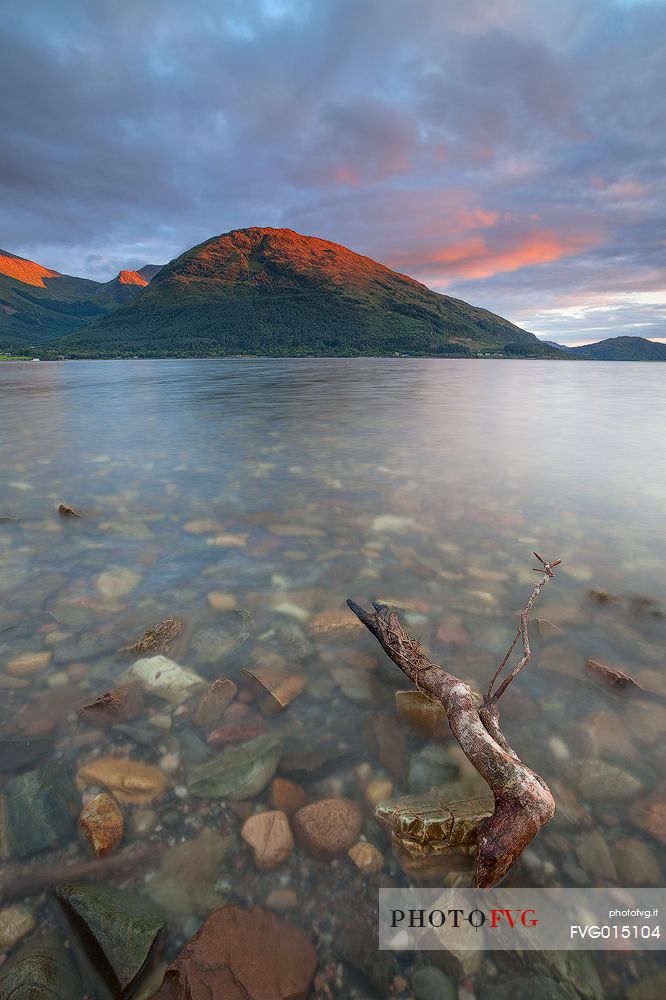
275, 292
621, 349
38, 305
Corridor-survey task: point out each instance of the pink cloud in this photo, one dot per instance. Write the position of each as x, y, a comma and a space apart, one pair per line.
475, 258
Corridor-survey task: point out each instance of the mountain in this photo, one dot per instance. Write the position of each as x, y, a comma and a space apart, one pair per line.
38, 304
559, 347
275, 292
121, 289
621, 349
148, 271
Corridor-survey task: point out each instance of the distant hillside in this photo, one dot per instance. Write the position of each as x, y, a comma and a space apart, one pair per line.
621, 349
148, 271
275, 292
38, 304
559, 347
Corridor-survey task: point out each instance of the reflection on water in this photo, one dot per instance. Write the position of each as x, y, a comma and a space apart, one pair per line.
251, 498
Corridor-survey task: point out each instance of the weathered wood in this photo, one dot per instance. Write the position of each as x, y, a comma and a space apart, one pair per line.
523, 801
22, 883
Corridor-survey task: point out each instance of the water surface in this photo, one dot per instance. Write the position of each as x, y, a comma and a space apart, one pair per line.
424, 483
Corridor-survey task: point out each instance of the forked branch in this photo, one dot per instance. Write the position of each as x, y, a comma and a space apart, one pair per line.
523, 801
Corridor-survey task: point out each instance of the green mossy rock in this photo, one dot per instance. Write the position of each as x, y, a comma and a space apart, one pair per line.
38, 810
112, 933
42, 970
17, 754
241, 772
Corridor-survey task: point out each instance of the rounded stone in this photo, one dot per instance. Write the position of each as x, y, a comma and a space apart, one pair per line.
287, 796
103, 824
328, 828
377, 791
282, 900
367, 858
269, 835
430, 983
636, 863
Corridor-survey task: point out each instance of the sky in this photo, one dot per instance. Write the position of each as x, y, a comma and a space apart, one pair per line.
511, 153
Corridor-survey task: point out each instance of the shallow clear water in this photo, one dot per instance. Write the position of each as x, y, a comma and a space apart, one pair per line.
297, 462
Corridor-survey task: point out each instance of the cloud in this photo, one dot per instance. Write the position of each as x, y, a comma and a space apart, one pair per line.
506, 151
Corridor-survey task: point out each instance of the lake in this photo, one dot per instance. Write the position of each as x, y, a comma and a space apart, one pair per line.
251, 498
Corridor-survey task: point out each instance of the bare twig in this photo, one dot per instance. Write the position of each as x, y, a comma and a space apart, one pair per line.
523, 802
521, 633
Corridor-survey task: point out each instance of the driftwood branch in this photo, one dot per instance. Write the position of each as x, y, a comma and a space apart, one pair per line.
19, 883
523, 801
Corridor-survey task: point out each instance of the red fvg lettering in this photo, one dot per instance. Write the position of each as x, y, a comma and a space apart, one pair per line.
512, 917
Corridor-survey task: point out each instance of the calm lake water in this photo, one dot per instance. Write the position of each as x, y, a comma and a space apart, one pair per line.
282, 487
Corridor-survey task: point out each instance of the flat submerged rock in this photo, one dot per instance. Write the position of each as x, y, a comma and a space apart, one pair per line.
240, 772
434, 823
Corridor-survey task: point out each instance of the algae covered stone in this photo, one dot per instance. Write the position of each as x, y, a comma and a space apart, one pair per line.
38, 810
434, 823
240, 772
41, 970
112, 933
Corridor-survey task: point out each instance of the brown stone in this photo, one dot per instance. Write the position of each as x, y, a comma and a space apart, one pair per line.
27, 663
599, 734
334, 622
229, 540
214, 703
367, 858
239, 955
158, 639
361, 661
202, 526
287, 796
453, 632
222, 601
129, 781
610, 677
282, 900
453, 868
118, 705
636, 864
598, 781
327, 828
650, 988
646, 722
391, 740
422, 713
650, 814
66, 510
272, 692
595, 858
378, 790
103, 823
270, 837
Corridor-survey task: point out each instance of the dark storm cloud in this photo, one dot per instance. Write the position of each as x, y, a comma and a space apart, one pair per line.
506, 151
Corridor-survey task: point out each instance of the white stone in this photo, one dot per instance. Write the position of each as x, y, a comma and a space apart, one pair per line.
164, 678
558, 748
392, 522
293, 610
15, 922
117, 582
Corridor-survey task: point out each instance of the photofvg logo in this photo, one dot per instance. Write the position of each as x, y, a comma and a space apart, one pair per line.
435, 919
517, 919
